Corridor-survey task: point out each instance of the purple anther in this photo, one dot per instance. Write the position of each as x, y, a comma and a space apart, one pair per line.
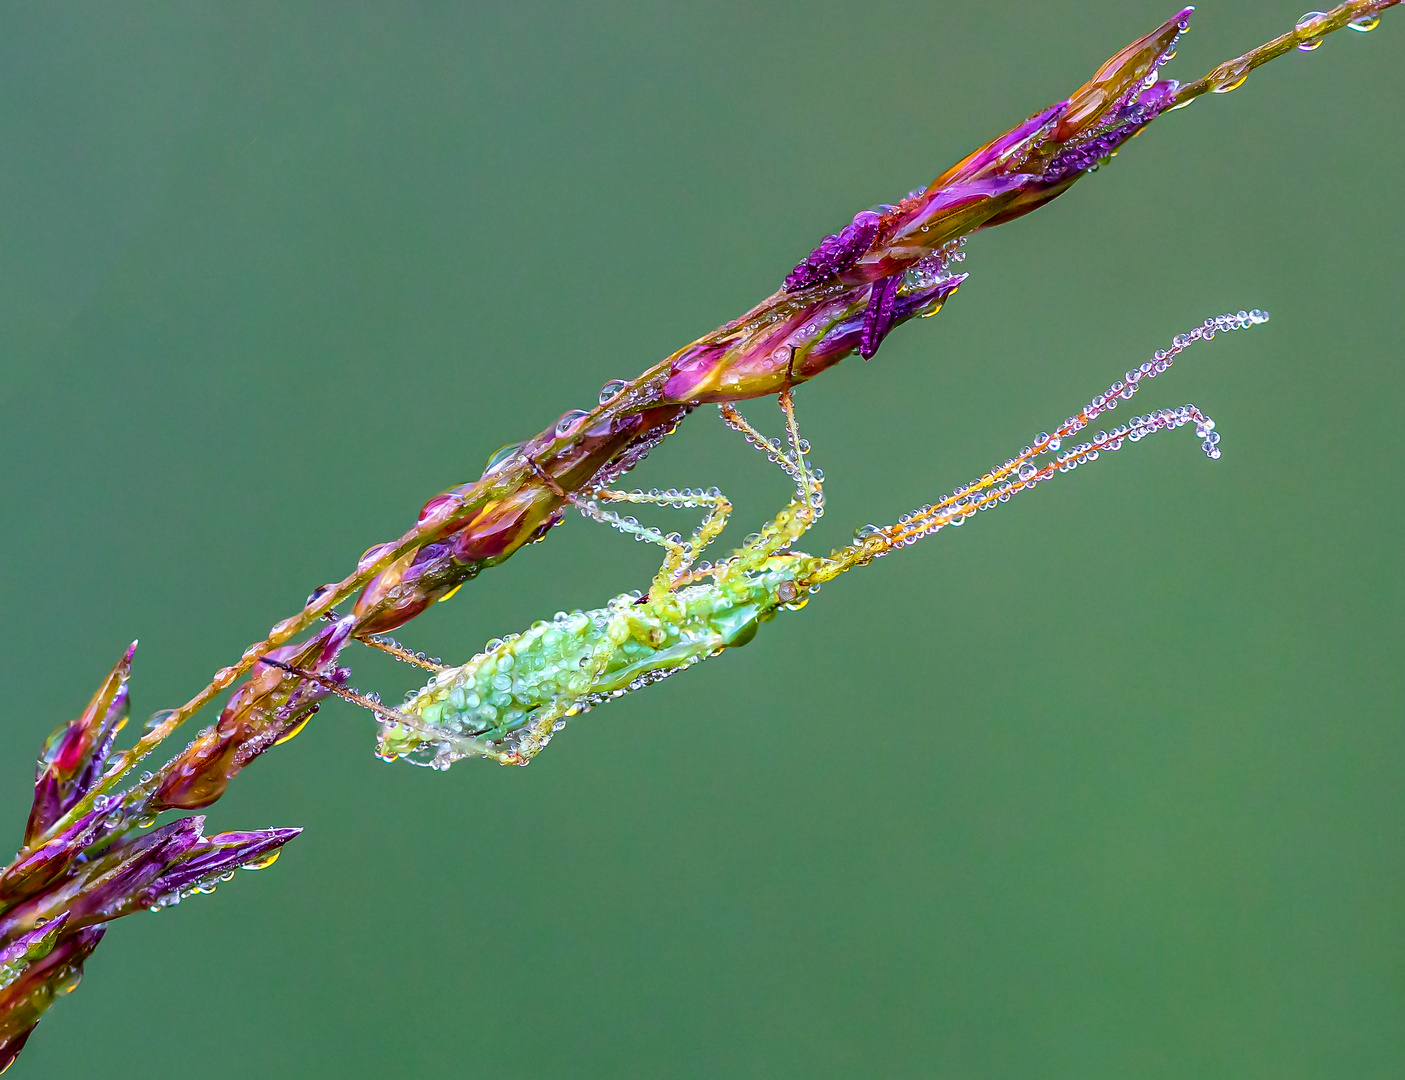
836, 253
878, 316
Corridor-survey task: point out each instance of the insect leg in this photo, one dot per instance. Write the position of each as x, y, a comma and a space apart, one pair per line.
680, 556
387, 644
772, 449
807, 504
804, 479
535, 738
394, 648
387, 715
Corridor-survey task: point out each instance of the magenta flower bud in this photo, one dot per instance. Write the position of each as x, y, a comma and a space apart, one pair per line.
74, 755
38, 867
270, 708
509, 506
45, 939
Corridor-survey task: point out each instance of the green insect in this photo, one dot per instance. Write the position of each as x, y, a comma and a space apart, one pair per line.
508, 701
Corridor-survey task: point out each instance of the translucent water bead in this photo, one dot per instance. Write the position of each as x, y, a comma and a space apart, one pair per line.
568, 421
1161, 360
1307, 40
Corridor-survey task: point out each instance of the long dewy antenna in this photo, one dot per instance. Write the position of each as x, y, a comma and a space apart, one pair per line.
1033, 464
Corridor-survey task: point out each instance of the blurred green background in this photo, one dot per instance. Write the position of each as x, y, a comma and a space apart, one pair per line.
1105, 784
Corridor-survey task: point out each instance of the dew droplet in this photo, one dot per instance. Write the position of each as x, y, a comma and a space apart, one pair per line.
611, 389
279, 629
502, 455
1229, 76
1364, 24
265, 862
158, 718
371, 555
568, 421
1305, 25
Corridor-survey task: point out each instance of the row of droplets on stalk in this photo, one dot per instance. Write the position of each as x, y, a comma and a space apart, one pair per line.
1231, 74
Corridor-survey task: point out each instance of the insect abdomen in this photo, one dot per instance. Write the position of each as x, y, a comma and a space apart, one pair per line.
497, 692
576, 660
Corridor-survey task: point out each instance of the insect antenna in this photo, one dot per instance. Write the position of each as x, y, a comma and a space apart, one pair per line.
348, 694
1043, 459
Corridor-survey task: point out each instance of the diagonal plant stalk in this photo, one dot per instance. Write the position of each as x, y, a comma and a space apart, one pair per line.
85, 859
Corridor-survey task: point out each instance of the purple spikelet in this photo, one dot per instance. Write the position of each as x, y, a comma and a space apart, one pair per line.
73, 877
878, 316
836, 253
